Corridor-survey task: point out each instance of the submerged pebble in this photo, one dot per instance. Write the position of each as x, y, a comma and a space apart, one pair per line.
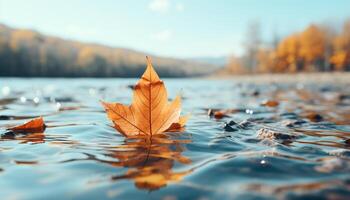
340, 153
293, 123
229, 126
333, 164
269, 134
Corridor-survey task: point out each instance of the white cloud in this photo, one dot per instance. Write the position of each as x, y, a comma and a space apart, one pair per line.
161, 6
180, 7
163, 35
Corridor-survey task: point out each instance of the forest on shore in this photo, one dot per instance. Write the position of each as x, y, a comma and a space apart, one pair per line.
317, 48
27, 53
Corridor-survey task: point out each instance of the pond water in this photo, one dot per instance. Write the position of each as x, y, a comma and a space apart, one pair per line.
294, 146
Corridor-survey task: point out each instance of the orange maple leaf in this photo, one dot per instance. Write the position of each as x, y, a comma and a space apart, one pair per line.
36, 125
150, 112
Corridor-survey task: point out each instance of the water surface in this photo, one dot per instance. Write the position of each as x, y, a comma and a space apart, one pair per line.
296, 149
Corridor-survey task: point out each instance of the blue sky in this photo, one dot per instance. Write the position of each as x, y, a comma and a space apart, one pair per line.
177, 28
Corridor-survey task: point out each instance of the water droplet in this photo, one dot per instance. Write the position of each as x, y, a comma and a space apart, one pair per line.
58, 105
36, 100
6, 90
23, 99
92, 91
248, 111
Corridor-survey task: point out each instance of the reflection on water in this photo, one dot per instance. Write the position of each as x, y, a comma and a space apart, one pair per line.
150, 162
284, 141
35, 138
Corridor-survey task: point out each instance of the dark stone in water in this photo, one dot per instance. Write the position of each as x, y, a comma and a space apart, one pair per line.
228, 126
325, 89
5, 117
256, 93
343, 97
232, 123
300, 122
232, 126
293, 123
265, 133
347, 142
347, 181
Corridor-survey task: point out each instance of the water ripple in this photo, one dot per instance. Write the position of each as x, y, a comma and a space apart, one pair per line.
276, 141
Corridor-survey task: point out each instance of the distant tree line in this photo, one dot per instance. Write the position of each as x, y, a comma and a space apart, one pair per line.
30, 54
317, 48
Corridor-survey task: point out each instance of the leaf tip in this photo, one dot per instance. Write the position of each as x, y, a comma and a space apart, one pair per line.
149, 60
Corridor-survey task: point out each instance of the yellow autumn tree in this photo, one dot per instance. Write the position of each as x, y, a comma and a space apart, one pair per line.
288, 53
266, 60
341, 45
312, 48
317, 48
235, 66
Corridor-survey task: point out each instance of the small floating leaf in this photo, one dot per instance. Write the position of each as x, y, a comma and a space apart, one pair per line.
36, 125
270, 103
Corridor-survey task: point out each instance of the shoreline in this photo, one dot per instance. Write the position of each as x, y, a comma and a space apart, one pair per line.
313, 77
